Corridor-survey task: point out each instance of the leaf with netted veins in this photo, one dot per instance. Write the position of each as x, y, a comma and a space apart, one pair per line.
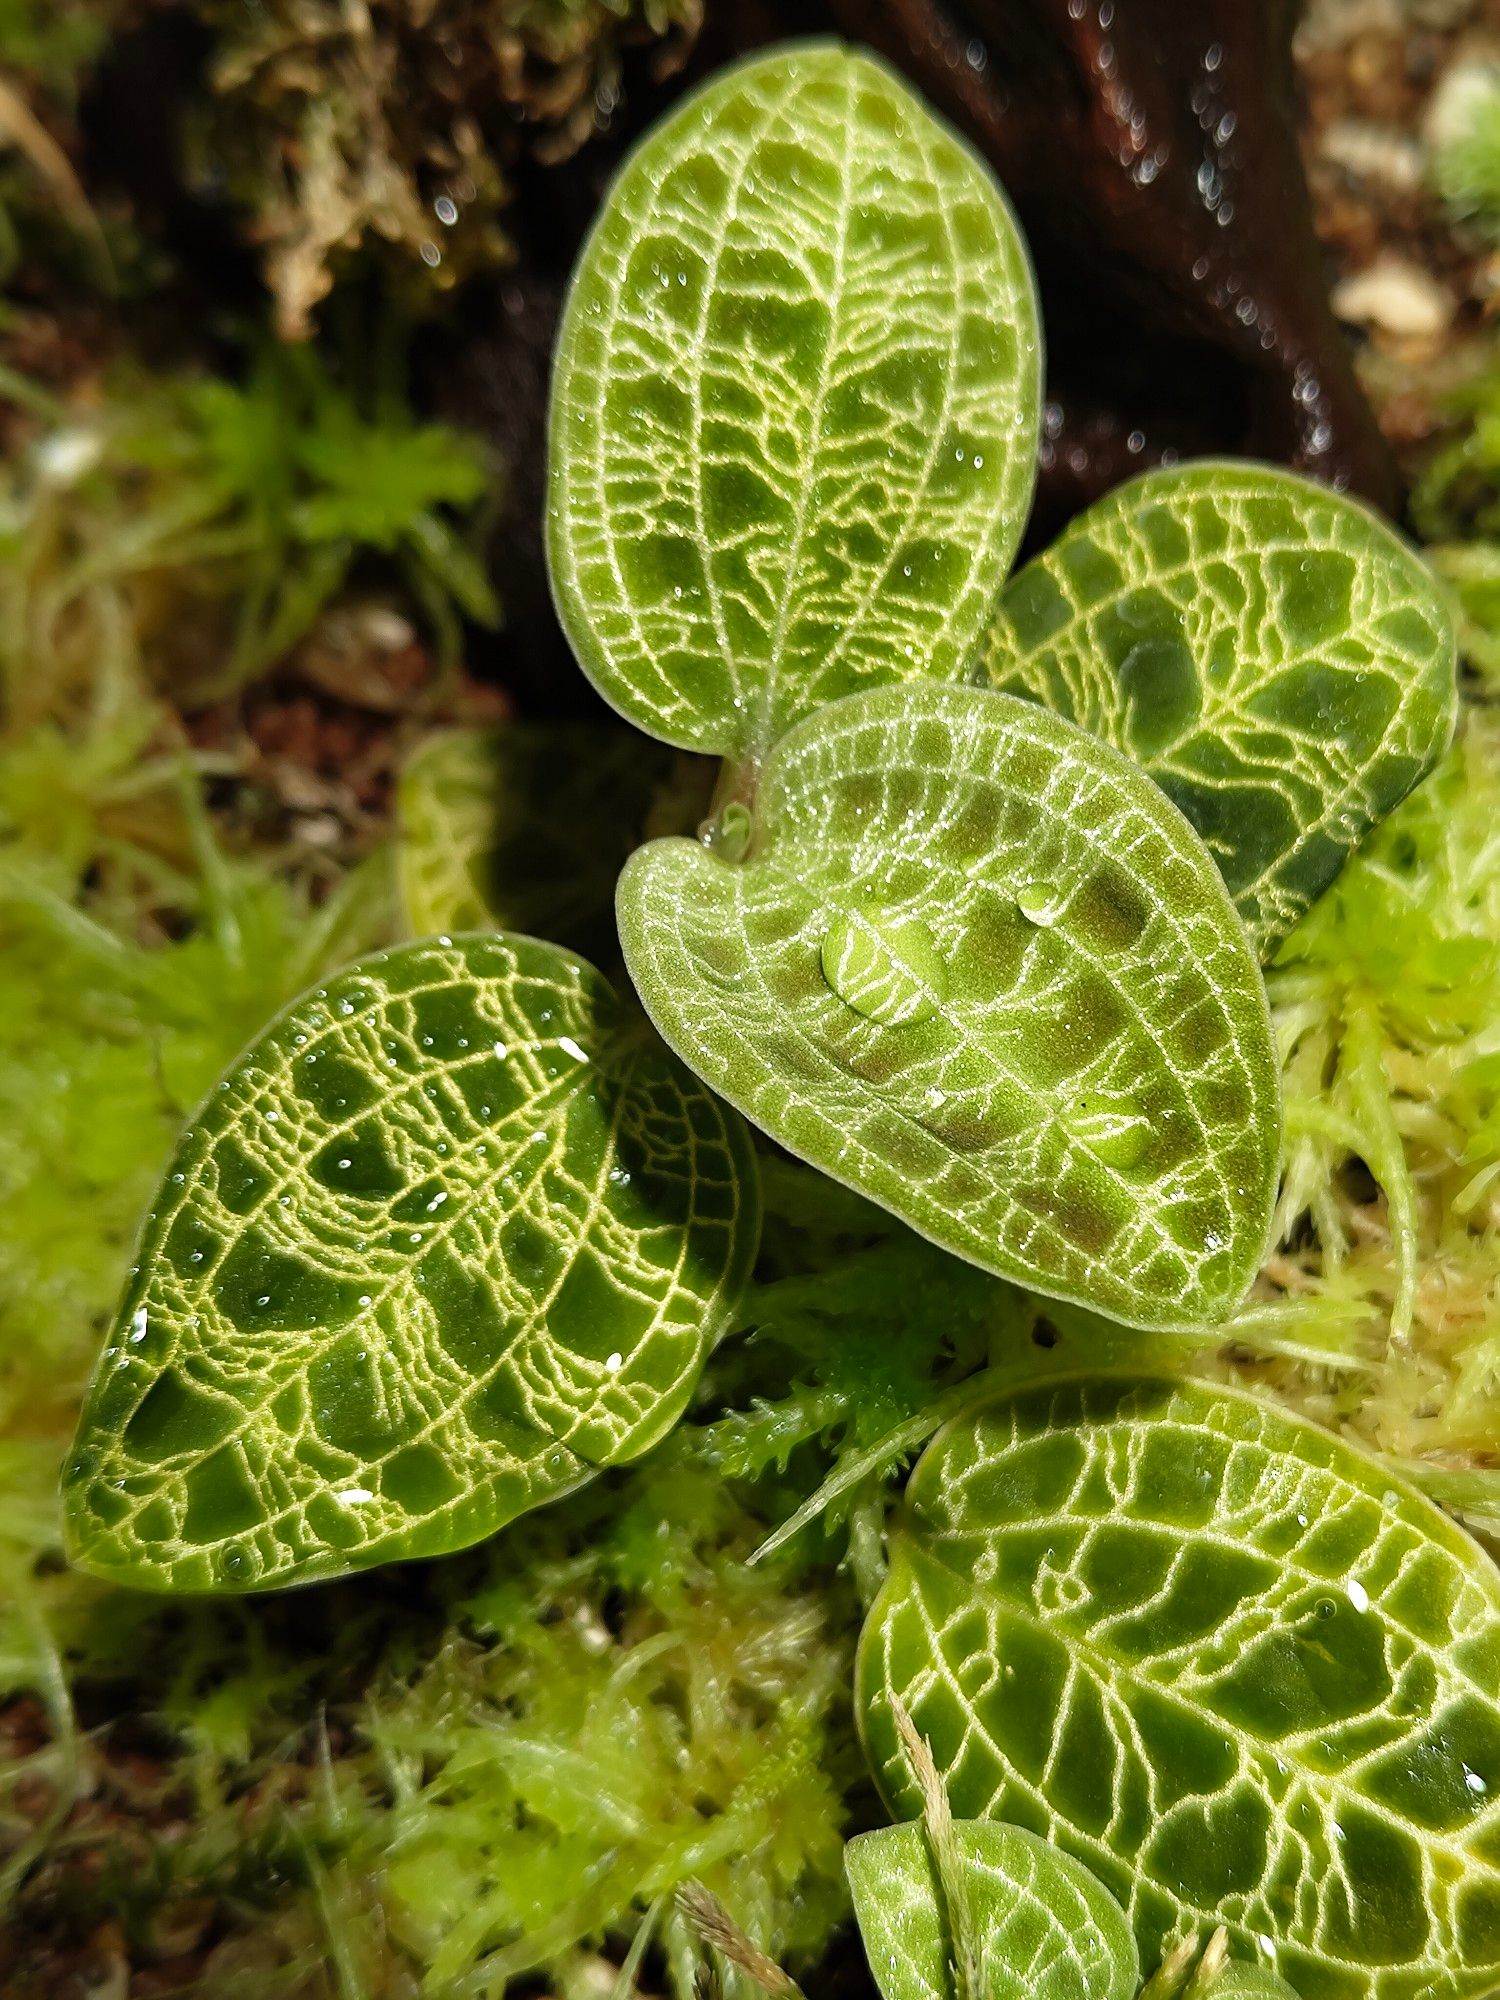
451, 1236
1234, 1665
525, 827
1044, 1928
794, 408
976, 966
1276, 657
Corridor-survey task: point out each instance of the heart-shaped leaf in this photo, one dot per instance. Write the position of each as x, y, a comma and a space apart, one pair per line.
452, 1235
1044, 1928
1277, 658
1232, 1664
795, 405
977, 967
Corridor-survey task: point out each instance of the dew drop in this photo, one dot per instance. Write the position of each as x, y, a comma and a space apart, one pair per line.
1114, 1129
1039, 903
235, 1563
729, 835
1358, 1596
886, 967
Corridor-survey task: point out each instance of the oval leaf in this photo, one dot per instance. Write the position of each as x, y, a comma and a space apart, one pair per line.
795, 405
1271, 652
1232, 1664
1044, 1928
977, 967
452, 1235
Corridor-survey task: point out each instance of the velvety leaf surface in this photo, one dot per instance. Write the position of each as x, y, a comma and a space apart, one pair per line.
1043, 1926
794, 407
977, 967
1277, 658
453, 1234
1233, 1665
1250, 1982
525, 827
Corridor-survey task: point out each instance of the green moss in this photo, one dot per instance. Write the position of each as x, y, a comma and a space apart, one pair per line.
1466, 152
1385, 1001
49, 44
192, 530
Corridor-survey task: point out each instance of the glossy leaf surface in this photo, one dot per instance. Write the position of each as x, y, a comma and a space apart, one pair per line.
1275, 656
525, 827
1044, 1929
452, 1235
977, 967
1231, 1664
794, 407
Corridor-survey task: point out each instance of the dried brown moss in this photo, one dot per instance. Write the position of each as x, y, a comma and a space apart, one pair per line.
388, 126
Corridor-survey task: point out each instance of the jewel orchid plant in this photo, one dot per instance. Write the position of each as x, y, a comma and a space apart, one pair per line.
975, 926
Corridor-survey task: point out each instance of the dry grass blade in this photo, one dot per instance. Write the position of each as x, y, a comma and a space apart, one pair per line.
21, 129
717, 1929
937, 1819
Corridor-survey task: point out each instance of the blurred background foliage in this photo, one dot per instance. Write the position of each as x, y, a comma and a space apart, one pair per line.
269, 696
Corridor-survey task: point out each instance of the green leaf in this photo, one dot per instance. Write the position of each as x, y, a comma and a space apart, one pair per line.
977, 967
450, 1237
525, 827
1278, 660
1236, 1667
1250, 1982
1045, 1928
795, 405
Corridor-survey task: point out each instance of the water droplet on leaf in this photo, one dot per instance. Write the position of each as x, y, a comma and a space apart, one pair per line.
886, 967
1039, 903
1114, 1129
728, 836
235, 1563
